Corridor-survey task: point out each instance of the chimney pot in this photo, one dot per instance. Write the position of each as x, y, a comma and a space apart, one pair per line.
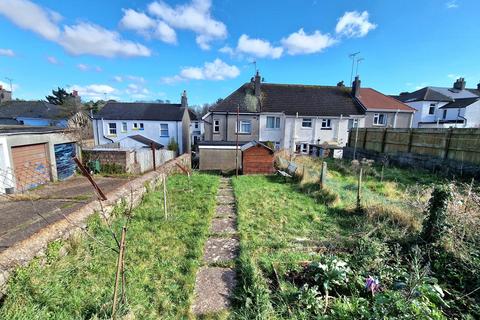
460, 84
257, 84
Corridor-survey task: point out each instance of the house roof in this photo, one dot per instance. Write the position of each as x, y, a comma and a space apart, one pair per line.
29, 109
306, 100
439, 94
141, 111
374, 100
460, 103
146, 141
255, 143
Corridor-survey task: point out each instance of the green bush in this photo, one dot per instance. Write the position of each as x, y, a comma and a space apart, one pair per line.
435, 224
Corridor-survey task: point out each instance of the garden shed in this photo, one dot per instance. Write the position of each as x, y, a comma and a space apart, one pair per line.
257, 158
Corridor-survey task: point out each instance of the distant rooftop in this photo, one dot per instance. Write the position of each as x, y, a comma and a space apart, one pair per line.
21, 129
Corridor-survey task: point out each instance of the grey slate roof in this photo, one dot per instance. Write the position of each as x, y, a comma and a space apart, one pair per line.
146, 141
424, 94
140, 111
306, 100
460, 103
29, 109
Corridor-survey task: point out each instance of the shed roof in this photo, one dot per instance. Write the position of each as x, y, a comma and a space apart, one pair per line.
254, 143
21, 129
146, 141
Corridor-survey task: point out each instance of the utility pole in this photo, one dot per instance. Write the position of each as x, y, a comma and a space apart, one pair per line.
352, 56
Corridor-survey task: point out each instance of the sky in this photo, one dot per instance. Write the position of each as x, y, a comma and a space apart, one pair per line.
149, 50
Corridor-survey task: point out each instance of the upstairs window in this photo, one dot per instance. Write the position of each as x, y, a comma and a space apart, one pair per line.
379, 119
273, 122
137, 126
444, 114
124, 127
326, 124
112, 129
431, 110
216, 126
196, 125
245, 126
306, 122
163, 130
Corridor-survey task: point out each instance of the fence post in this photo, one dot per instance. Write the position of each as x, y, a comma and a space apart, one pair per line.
119, 270
359, 187
410, 137
447, 143
383, 140
165, 195
365, 139
323, 175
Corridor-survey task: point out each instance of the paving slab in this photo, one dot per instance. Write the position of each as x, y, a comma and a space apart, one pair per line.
225, 211
220, 250
226, 193
223, 225
225, 200
213, 288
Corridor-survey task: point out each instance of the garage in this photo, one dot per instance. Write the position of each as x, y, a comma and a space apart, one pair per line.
257, 158
31, 165
64, 154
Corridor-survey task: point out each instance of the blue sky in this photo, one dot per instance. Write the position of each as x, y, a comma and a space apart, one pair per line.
147, 50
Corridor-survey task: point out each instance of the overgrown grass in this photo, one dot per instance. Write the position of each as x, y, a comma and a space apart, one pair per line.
162, 256
293, 237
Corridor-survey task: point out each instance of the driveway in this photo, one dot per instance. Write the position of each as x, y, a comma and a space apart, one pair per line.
24, 215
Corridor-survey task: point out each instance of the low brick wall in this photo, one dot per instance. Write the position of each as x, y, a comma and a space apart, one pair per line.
24, 251
413, 160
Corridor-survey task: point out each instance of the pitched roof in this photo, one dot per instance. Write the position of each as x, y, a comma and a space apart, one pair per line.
374, 100
141, 111
255, 143
29, 109
424, 94
460, 103
306, 100
146, 141
21, 129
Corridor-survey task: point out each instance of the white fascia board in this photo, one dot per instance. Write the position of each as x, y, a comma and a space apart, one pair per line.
206, 115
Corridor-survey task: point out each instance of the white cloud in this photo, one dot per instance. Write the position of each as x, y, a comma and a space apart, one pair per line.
7, 86
453, 76
118, 78
354, 24
165, 33
258, 48
95, 91
52, 60
227, 49
30, 16
302, 43
7, 52
82, 67
216, 70
136, 91
137, 21
452, 4
82, 38
87, 38
195, 16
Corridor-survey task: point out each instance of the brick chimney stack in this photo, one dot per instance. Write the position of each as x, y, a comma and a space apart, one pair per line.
184, 100
257, 84
460, 84
356, 86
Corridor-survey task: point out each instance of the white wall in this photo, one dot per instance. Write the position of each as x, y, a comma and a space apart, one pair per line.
151, 130
269, 134
422, 107
472, 113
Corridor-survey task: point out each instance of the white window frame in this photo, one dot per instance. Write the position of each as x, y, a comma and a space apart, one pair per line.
138, 126
432, 105
326, 124
376, 119
112, 129
276, 122
216, 125
162, 125
239, 128
307, 120
124, 127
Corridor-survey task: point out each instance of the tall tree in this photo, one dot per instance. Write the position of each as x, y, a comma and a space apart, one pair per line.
59, 96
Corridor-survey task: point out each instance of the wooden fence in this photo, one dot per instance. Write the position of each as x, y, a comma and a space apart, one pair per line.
462, 145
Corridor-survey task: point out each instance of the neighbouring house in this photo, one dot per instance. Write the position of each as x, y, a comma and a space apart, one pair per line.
257, 158
158, 122
5, 95
382, 110
292, 117
35, 155
441, 107
31, 113
196, 128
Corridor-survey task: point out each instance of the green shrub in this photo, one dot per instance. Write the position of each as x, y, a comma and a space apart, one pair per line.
172, 145
435, 224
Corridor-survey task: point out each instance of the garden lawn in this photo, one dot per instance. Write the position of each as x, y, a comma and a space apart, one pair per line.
75, 278
305, 254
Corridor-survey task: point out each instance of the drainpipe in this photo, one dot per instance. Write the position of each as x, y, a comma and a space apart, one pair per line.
395, 119
103, 133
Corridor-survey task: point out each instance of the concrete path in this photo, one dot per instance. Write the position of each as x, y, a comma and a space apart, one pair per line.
216, 280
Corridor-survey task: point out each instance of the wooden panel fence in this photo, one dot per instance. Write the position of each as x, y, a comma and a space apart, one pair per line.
455, 144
